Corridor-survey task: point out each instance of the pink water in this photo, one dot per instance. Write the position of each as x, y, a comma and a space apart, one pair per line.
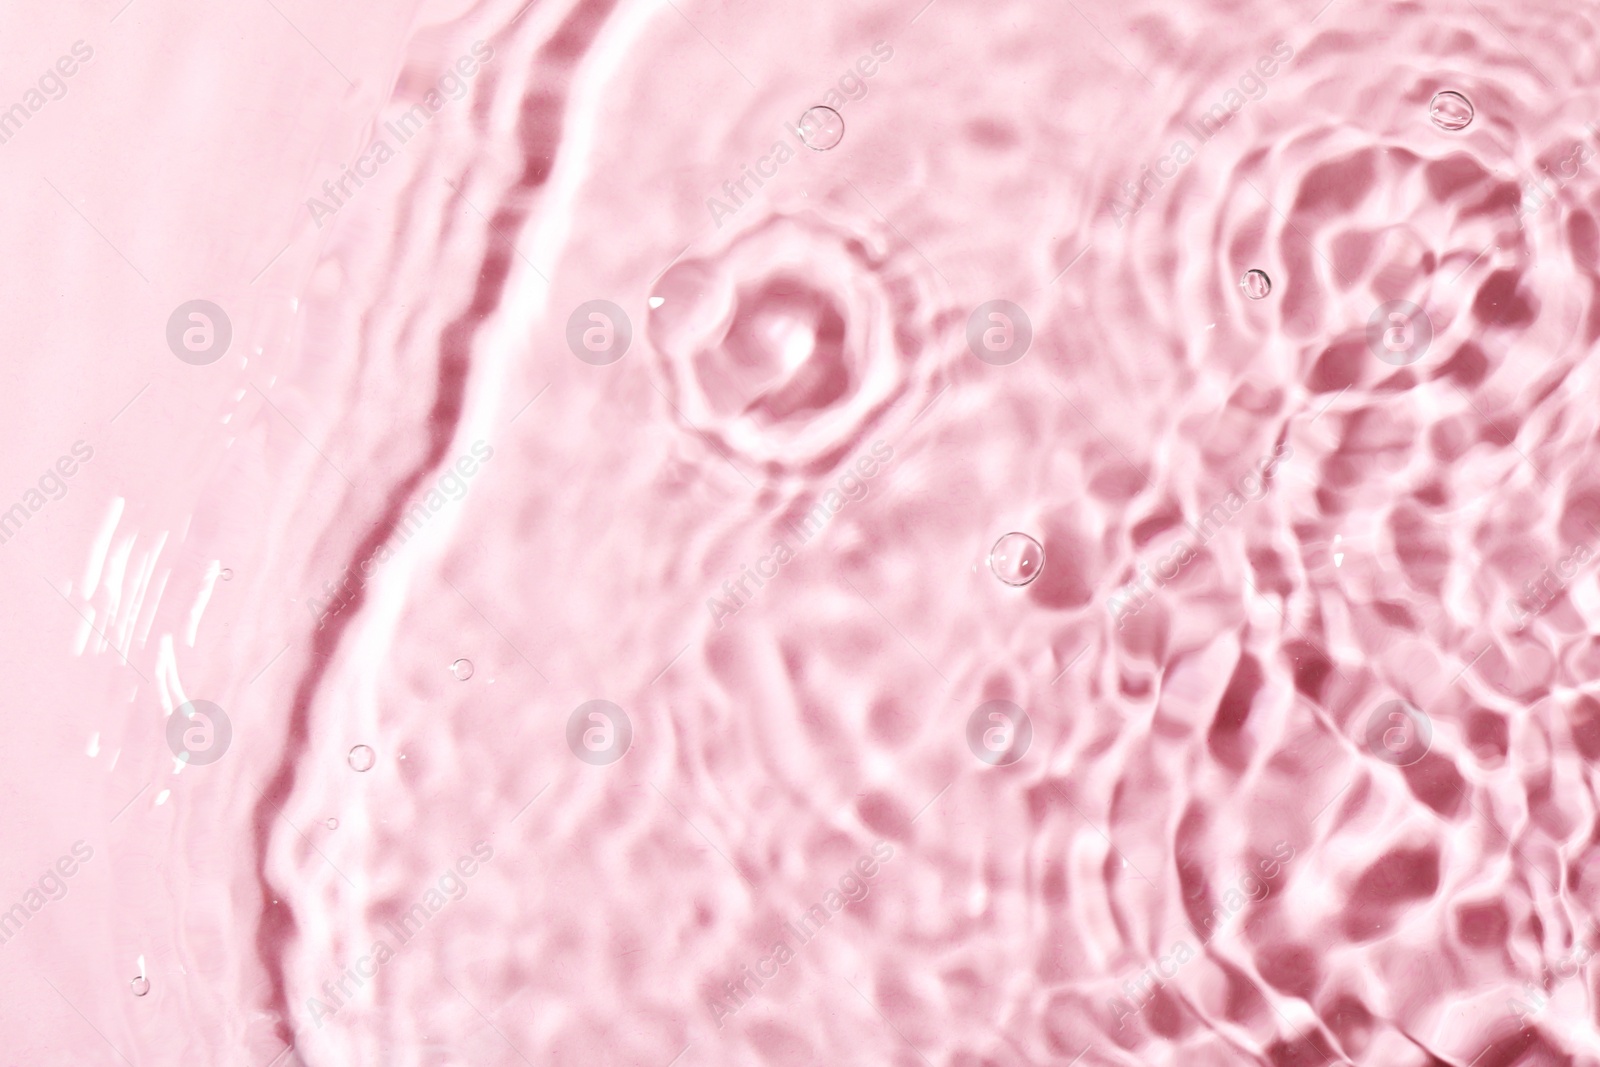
680, 533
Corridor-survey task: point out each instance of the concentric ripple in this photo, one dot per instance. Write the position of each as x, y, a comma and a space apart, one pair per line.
792, 341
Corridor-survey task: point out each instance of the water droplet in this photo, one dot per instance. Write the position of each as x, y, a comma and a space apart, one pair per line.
333, 824
1255, 284
1016, 559
1450, 110
140, 986
362, 758
227, 574
462, 669
821, 128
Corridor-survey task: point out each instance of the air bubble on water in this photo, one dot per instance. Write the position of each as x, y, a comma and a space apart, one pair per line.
226, 574
333, 824
140, 985
1450, 110
1255, 284
1016, 559
821, 128
362, 758
462, 669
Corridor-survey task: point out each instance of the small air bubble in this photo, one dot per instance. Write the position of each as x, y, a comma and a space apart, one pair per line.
1255, 284
1450, 110
1016, 559
362, 758
821, 128
333, 824
227, 574
462, 669
140, 985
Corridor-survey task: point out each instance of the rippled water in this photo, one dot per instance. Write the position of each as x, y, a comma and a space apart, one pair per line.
954, 534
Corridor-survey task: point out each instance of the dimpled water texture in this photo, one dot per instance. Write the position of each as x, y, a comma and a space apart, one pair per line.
706, 535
